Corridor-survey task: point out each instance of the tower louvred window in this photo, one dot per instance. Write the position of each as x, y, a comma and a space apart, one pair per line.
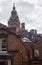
36, 53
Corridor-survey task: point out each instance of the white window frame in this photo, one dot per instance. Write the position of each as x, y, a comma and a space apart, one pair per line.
36, 53
1, 49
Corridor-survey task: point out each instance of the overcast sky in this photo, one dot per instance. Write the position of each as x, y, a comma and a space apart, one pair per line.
29, 11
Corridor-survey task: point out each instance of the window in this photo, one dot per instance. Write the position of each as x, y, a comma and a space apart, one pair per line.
36, 53
0, 44
3, 46
9, 62
32, 37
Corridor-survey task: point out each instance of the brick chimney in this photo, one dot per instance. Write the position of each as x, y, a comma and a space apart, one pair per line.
33, 31
22, 26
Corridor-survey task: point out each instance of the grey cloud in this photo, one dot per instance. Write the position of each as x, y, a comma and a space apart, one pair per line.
24, 9
25, 6
27, 20
6, 9
40, 30
39, 3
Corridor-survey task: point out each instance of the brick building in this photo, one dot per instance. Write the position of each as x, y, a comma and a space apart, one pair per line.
17, 45
12, 50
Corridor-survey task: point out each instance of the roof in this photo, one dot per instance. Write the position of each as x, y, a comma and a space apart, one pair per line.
25, 39
2, 25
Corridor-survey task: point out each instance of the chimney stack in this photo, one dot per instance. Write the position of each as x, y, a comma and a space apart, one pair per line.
22, 26
33, 31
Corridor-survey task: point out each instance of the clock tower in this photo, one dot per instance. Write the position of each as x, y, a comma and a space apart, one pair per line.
14, 20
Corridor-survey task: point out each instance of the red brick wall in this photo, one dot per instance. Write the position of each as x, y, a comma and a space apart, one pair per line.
15, 44
38, 46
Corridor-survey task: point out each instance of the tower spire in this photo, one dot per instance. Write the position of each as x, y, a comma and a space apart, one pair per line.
13, 5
